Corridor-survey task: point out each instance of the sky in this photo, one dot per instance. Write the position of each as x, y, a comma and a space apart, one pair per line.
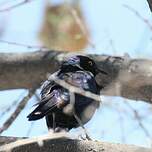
115, 30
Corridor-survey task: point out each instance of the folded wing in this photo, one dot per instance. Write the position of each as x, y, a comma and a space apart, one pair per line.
52, 96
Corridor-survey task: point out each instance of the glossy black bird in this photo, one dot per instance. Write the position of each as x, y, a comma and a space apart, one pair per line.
79, 71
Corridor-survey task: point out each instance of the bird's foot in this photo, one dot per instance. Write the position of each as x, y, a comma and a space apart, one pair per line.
59, 132
59, 129
87, 137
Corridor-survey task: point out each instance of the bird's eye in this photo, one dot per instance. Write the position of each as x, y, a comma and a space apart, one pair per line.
90, 63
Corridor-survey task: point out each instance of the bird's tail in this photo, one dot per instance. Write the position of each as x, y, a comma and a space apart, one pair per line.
38, 113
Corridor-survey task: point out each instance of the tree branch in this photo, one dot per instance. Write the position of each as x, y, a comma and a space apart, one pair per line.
129, 78
15, 6
150, 4
59, 143
17, 111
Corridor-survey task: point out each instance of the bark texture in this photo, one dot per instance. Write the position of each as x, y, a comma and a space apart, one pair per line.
67, 145
129, 78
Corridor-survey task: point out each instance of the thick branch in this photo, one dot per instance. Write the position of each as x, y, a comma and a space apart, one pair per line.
60, 144
127, 78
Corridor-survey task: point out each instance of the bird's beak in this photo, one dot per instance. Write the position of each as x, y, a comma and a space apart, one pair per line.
101, 71
78, 65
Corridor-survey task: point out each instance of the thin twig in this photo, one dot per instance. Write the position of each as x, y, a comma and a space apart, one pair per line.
146, 21
15, 6
10, 106
138, 118
122, 130
72, 102
82, 126
30, 129
5, 2
17, 111
23, 45
112, 44
75, 89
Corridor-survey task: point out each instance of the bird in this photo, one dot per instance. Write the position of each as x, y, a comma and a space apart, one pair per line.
78, 71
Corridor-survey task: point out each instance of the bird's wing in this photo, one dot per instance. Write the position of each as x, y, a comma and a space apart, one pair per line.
47, 88
52, 96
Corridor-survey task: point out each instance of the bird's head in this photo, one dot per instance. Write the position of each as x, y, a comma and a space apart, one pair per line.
83, 63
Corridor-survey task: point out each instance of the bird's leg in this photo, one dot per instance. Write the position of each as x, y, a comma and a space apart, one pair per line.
54, 124
55, 128
82, 126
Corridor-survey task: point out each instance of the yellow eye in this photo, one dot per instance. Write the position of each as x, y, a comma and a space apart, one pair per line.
90, 63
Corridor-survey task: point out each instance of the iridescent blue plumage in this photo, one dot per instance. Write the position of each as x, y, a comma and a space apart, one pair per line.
78, 71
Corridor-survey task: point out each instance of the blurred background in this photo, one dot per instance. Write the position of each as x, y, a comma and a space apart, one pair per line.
112, 27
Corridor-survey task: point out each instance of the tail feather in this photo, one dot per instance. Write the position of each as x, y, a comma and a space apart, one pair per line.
38, 113
48, 104
35, 115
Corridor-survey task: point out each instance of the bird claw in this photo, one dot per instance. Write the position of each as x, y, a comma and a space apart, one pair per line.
87, 137
59, 129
